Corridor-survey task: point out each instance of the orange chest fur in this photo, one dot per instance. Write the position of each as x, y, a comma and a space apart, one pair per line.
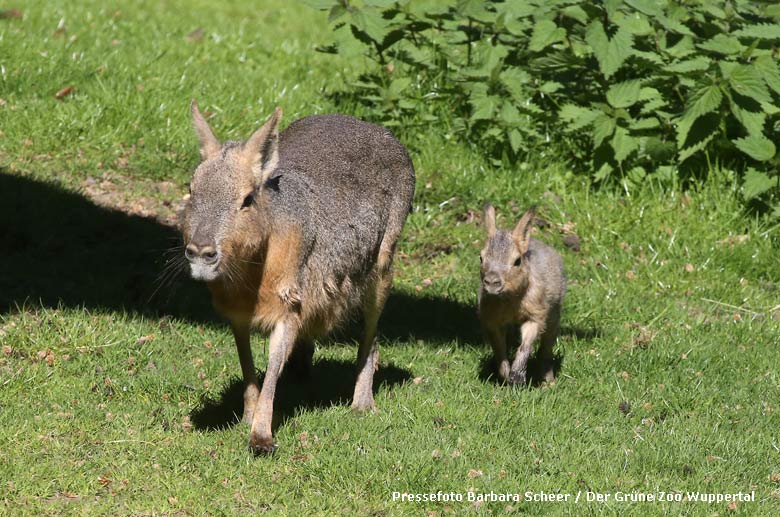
254, 294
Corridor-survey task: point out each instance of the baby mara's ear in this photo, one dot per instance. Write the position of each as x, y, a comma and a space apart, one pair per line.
489, 218
209, 145
522, 232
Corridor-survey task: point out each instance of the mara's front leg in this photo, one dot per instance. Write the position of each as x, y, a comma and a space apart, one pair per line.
528, 333
496, 336
251, 386
282, 338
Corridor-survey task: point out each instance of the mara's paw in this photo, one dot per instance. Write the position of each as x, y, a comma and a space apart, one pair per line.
261, 446
290, 295
516, 378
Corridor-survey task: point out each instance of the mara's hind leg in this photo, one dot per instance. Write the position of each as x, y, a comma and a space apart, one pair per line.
548, 339
301, 357
368, 354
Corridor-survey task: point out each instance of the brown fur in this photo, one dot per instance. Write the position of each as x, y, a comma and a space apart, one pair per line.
292, 231
264, 296
523, 285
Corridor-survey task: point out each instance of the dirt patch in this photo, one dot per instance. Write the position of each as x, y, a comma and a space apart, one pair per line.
160, 200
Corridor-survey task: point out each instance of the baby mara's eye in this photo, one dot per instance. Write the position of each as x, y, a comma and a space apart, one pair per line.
518, 262
248, 200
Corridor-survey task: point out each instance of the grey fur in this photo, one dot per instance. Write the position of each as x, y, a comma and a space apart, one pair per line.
522, 284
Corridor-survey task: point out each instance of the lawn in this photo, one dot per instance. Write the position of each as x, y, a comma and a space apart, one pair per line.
119, 385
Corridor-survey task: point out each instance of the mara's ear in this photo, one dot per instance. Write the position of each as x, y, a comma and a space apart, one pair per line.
209, 145
489, 218
261, 151
522, 232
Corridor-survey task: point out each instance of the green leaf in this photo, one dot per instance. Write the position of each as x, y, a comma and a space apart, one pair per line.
648, 7
649, 93
322, 5
645, 123
545, 33
753, 122
348, 46
659, 150
515, 139
705, 100
578, 116
682, 48
512, 10
759, 31
550, 87
475, 9
625, 94
689, 65
652, 57
722, 44
397, 86
673, 25
637, 174
574, 12
483, 108
603, 127
653, 105
714, 10
768, 69
636, 24
757, 147
746, 80
756, 183
701, 133
515, 80
623, 144
610, 53
604, 172
371, 23
509, 114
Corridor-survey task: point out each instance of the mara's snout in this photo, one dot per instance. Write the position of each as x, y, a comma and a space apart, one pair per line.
492, 283
203, 259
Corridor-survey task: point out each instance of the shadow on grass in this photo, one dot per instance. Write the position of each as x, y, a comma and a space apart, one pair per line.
331, 383
487, 366
59, 248
409, 318
489, 373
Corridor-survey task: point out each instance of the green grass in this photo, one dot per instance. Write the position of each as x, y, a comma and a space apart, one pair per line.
668, 363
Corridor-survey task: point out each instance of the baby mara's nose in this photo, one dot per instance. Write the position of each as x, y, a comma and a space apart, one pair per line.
493, 283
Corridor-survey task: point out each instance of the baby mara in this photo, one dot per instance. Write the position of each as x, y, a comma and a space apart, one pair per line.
523, 283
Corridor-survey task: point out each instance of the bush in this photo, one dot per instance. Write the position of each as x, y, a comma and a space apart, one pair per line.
624, 89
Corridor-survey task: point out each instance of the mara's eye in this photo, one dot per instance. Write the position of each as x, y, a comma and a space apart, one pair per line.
481, 260
518, 262
248, 200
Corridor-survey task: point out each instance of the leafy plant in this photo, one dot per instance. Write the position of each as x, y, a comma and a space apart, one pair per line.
624, 88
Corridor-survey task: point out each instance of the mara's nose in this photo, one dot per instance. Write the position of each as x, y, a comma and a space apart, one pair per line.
493, 283
207, 253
